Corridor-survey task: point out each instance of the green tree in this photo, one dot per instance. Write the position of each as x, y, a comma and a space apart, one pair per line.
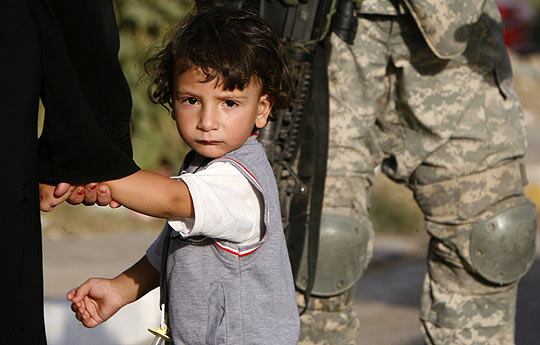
142, 25
536, 23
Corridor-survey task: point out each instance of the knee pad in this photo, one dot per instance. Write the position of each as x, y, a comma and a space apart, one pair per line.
345, 248
502, 247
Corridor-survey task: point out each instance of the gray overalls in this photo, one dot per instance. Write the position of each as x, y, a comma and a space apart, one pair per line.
221, 293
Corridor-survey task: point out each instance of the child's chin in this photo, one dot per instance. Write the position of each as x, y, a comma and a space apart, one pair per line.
211, 152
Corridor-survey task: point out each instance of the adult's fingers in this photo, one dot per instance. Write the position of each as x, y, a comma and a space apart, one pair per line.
90, 195
77, 196
47, 199
61, 189
104, 195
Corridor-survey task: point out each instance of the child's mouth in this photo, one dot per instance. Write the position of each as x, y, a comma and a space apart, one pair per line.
208, 142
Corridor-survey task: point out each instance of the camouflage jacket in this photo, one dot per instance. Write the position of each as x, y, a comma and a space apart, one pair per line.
445, 24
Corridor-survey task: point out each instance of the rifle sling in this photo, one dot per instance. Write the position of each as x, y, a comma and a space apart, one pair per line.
319, 118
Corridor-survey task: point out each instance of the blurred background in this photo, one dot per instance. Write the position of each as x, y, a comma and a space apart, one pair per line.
81, 241
143, 24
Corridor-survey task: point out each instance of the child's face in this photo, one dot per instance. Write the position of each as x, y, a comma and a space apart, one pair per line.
213, 121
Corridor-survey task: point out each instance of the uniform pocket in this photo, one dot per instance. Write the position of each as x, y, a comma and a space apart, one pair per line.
503, 78
216, 330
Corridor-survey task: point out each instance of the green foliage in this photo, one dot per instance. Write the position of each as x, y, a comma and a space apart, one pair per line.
142, 25
536, 21
393, 208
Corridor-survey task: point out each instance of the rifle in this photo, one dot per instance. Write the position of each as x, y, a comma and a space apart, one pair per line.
297, 141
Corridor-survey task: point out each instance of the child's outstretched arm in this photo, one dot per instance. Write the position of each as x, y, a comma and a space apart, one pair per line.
97, 299
153, 194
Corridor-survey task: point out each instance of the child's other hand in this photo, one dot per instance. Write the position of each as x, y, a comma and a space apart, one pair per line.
49, 199
95, 301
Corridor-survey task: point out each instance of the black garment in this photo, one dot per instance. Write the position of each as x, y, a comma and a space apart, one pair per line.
82, 88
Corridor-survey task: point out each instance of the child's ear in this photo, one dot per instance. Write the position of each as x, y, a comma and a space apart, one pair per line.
263, 111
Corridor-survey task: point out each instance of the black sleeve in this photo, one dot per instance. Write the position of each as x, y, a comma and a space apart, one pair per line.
86, 132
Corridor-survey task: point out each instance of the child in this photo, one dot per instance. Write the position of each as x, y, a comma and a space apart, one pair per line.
228, 276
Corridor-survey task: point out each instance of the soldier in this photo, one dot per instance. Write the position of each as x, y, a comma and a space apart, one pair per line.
426, 91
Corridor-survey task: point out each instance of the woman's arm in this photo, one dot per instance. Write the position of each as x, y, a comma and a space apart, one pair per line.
153, 194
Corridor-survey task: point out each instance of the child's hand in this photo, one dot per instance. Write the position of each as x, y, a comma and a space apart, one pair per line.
49, 198
95, 301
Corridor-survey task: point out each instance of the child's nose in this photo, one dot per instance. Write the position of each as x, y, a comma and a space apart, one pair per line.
208, 121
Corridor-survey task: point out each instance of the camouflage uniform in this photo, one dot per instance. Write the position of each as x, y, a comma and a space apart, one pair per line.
431, 99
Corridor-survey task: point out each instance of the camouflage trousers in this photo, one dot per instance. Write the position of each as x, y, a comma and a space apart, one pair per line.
450, 130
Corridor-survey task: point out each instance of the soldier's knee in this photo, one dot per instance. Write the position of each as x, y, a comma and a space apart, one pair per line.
502, 244
496, 249
345, 248
481, 222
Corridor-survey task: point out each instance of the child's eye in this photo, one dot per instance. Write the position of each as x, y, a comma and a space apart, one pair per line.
190, 100
230, 103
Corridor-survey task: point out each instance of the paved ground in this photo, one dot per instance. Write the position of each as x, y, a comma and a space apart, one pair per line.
68, 261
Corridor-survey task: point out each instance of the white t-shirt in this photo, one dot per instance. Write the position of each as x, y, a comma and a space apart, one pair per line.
226, 205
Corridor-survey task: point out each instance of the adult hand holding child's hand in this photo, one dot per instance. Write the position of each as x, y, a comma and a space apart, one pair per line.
88, 195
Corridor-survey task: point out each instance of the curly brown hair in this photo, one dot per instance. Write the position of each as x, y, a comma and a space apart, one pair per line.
236, 46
